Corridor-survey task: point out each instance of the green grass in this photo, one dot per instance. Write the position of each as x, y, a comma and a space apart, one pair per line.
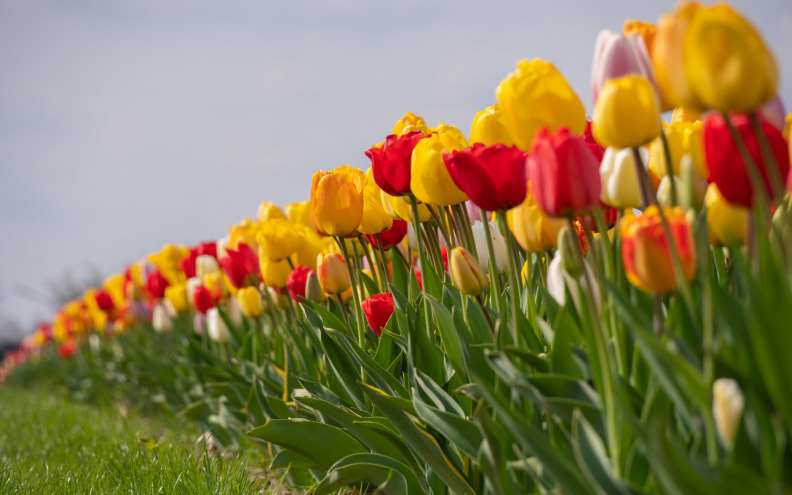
50, 445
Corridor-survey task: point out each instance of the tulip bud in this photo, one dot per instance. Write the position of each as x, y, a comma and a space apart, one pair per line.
559, 280
727, 406
233, 311
160, 319
466, 272
333, 273
568, 245
216, 327
620, 183
313, 289
378, 310
296, 282
251, 304
692, 187
664, 191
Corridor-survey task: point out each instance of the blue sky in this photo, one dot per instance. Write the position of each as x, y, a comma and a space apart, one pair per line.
128, 124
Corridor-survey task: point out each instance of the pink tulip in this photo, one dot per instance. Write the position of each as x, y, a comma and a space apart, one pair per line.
616, 56
773, 111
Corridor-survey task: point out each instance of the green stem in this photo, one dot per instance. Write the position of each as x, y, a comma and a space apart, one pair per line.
453, 234
514, 279
669, 166
493, 266
383, 264
422, 259
361, 327
377, 276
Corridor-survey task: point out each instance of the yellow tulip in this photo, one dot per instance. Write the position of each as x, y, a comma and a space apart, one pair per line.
167, 261
114, 285
177, 297
728, 223
300, 213
309, 245
536, 95
277, 238
245, 232
727, 64
337, 200
409, 123
466, 272
534, 230
251, 304
430, 181
399, 207
268, 211
332, 272
667, 58
627, 113
684, 138
682, 114
375, 219
274, 273
488, 127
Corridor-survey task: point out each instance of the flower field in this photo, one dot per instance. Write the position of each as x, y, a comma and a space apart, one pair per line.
550, 303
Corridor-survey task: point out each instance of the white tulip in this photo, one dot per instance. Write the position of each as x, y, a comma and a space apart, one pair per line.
620, 186
498, 246
205, 264
160, 319
559, 279
222, 246
727, 405
192, 284
216, 327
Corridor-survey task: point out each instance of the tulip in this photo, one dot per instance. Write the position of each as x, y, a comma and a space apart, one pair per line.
664, 190
375, 219
685, 114
187, 266
313, 289
501, 262
534, 96
295, 282
241, 266
167, 262
390, 237
410, 123
202, 299
392, 162
221, 247
728, 223
616, 56
430, 181
533, 229
684, 138
160, 320
620, 183
337, 200
726, 166
216, 326
726, 62
560, 278
215, 282
192, 284
378, 310
268, 211
274, 273
300, 213
205, 265
489, 129
667, 58
399, 207
277, 238
333, 274
243, 233
251, 304
645, 249
176, 295
67, 349
564, 173
156, 285
643, 29
494, 177
103, 300
591, 143
466, 272
309, 245
728, 403
627, 113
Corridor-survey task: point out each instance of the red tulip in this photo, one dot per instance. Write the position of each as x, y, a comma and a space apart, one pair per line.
156, 285
492, 176
103, 300
202, 299
241, 266
209, 248
726, 166
593, 145
564, 173
378, 310
391, 237
295, 282
67, 349
391, 163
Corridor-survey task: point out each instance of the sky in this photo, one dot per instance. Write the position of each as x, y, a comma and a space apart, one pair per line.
125, 125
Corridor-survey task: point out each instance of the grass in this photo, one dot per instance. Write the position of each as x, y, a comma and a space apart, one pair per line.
49, 445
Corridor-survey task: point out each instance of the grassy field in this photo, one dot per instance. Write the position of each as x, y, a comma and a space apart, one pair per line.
50, 445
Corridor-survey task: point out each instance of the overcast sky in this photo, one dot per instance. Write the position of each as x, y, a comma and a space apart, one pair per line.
128, 124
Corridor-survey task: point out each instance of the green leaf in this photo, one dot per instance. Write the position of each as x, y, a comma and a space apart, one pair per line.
391, 476
289, 459
320, 443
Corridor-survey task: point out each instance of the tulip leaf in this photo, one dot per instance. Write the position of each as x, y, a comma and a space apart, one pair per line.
462, 433
379, 375
289, 459
345, 370
389, 475
450, 337
320, 443
423, 443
